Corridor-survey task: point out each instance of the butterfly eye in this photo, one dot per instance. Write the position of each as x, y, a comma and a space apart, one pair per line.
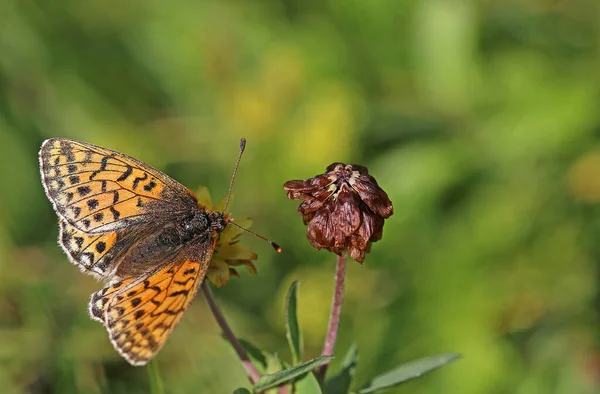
222, 223
187, 224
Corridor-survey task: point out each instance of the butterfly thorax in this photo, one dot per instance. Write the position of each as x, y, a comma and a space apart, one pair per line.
199, 226
192, 234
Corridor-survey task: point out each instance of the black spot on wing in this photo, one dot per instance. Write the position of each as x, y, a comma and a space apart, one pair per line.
137, 180
189, 271
92, 203
84, 190
76, 211
126, 174
78, 241
67, 151
116, 214
179, 292
90, 256
100, 247
151, 185
103, 164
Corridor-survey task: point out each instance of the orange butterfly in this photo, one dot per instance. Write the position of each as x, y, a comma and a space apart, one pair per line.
126, 222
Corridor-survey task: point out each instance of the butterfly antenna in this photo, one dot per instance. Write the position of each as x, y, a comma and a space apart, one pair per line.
273, 244
237, 163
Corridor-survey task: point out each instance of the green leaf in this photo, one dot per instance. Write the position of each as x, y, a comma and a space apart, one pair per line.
258, 356
241, 390
281, 377
407, 371
275, 364
291, 322
156, 384
308, 384
340, 383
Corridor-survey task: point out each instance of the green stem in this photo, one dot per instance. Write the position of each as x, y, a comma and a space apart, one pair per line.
156, 385
336, 313
228, 333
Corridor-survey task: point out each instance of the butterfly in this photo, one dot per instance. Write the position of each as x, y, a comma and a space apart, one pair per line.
144, 233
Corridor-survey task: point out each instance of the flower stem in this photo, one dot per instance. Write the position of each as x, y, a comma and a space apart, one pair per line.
156, 384
336, 312
216, 311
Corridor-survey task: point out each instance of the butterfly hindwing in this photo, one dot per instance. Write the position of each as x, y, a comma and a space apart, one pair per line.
100, 299
99, 190
93, 254
140, 314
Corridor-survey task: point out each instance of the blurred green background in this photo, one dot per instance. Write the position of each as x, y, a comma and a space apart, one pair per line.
479, 118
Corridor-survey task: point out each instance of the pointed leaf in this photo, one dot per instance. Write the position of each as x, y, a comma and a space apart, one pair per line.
275, 364
257, 356
241, 390
340, 383
308, 384
407, 371
281, 377
291, 323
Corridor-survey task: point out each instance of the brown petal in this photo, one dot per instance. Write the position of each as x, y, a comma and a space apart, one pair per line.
337, 166
358, 241
377, 229
314, 202
307, 218
323, 231
361, 169
317, 231
346, 213
356, 254
299, 190
309, 206
371, 224
374, 196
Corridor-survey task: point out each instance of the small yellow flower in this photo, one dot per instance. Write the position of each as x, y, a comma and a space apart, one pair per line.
228, 252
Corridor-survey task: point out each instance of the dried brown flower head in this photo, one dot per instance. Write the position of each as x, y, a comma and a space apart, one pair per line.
344, 208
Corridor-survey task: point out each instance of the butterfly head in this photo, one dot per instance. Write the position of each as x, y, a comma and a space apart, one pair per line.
218, 222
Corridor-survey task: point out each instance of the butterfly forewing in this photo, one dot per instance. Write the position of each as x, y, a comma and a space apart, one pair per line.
98, 190
140, 314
